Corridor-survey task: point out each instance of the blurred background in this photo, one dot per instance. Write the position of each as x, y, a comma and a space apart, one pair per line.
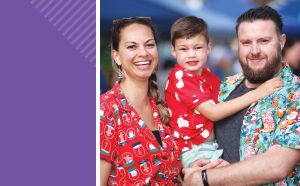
220, 15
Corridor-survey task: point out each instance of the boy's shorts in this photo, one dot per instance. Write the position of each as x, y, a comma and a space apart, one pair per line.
207, 150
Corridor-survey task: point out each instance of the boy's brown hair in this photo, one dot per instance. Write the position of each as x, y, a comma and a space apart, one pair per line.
189, 27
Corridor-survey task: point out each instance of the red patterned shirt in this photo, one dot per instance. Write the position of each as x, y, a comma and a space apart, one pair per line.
131, 147
184, 91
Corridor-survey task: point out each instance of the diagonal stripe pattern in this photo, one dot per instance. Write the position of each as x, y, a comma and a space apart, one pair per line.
76, 20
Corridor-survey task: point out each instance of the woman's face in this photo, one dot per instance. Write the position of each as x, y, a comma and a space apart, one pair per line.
137, 52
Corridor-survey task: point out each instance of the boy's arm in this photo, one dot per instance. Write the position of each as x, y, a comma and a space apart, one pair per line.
225, 109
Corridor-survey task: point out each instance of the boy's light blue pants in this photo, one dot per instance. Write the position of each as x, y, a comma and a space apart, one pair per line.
207, 150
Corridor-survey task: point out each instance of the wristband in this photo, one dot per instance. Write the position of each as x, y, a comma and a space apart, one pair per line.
159, 102
204, 178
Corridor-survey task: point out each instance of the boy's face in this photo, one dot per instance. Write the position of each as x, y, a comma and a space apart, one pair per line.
191, 53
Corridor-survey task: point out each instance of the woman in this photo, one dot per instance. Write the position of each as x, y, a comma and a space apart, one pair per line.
136, 148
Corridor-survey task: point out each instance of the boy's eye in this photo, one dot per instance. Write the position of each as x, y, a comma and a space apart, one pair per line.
246, 43
182, 49
198, 47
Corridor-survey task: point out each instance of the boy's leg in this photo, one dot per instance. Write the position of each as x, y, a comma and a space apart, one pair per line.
206, 150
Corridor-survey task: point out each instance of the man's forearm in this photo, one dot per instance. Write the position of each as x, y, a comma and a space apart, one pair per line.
248, 172
272, 166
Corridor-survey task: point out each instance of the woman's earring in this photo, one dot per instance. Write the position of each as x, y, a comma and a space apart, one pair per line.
153, 72
120, 74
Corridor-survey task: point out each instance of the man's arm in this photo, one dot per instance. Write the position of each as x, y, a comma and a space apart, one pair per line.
272, 166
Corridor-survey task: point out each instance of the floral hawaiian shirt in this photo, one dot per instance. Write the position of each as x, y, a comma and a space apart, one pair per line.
184, 92
130, 146
271, 121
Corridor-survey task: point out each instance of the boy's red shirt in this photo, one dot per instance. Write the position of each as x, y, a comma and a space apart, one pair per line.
184, 91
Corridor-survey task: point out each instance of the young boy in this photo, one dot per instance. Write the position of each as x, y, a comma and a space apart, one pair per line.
191, 92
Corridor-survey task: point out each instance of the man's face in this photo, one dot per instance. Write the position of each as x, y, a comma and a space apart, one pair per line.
259, 50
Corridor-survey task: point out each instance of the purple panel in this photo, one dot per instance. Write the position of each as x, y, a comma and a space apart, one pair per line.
47, 85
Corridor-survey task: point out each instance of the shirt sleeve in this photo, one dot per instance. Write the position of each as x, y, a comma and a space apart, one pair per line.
108, 132
189, 89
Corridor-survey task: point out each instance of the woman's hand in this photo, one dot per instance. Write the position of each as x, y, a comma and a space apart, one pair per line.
206, 164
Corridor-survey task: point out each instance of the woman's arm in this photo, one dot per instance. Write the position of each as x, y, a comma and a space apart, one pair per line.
105, 169
225, 109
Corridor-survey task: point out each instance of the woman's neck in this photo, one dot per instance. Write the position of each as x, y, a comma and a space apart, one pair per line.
135, 92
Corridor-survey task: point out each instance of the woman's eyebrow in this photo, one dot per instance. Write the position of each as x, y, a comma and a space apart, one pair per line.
130, 42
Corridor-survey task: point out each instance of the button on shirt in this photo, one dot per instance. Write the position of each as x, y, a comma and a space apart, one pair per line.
271, 121
130, 146
184, 91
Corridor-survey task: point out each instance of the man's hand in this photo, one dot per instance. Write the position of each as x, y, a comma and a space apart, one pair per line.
193, 176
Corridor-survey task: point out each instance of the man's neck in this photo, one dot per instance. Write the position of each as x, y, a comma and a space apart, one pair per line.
251, 85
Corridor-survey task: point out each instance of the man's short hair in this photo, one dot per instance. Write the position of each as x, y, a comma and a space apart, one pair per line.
261, 13
189, 27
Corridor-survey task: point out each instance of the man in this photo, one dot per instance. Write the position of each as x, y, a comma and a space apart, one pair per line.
266, 139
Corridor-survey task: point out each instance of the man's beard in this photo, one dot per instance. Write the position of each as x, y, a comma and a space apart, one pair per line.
270, 69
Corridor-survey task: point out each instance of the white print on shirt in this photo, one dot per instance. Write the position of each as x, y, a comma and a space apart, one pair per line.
133, 173
195, 99
176, 134
138, 149
190, 75
212, 101
185, 149
199, 126
176, 96
155, 114
167, 85
170, 112
196, 112
205, 134
186, 137
201, 89
142, 124
180, 84
179, 74
182, 122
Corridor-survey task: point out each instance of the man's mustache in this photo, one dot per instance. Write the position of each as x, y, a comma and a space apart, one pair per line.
259, 56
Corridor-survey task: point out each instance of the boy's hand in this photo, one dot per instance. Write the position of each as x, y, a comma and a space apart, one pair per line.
269, 87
